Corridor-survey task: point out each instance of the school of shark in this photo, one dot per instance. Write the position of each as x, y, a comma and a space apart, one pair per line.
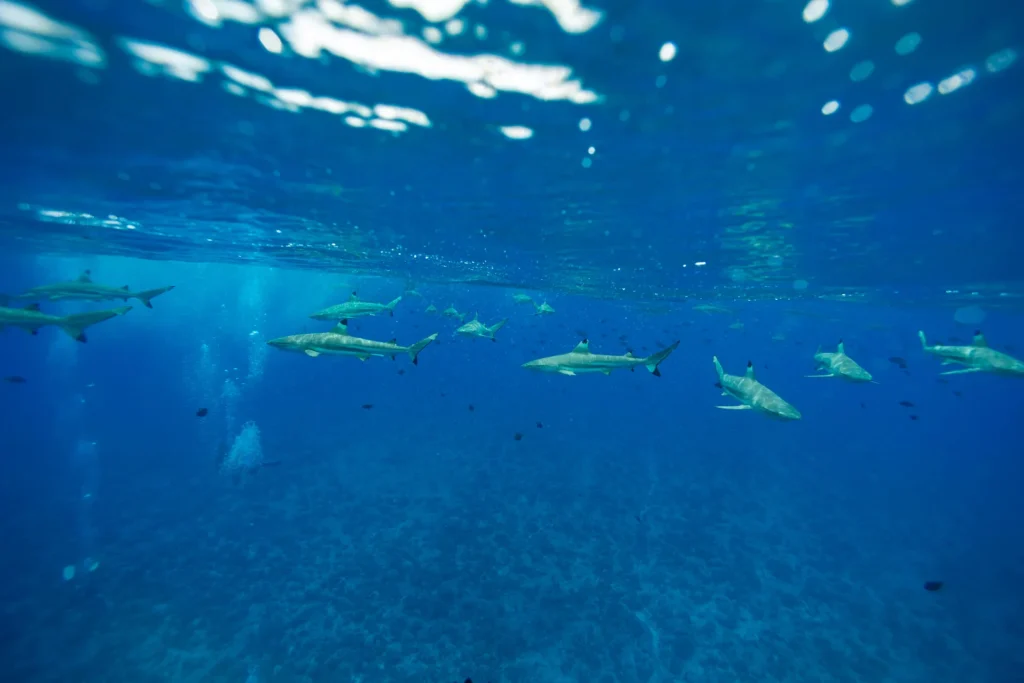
748, 392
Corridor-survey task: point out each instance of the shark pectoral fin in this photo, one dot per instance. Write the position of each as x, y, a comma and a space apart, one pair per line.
960, 372
567, 372
742, 406
819, 375
607, 372
949, 362
364, 357
311, 353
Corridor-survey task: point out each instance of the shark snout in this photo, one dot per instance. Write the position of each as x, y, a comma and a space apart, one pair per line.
788, 412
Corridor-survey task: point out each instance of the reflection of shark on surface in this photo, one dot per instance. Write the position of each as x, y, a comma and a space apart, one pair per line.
338, 342
475, 328
753, 395
84, 289
977, 357
30, 319
840, 365
580, 361
354, 308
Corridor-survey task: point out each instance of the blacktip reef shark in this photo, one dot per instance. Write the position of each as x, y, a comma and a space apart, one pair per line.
840, 365
753, 395
978, 357
338, 342
354, 308
475, 328
450, 312
31, 319
84, 289
581, 361
544, 309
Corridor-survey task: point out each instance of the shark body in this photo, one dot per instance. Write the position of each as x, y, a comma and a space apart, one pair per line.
354, 308
84, 289
338, 342
840, 365
30, 319
475, 328
581, 361
976, 357
522, 298
753, 395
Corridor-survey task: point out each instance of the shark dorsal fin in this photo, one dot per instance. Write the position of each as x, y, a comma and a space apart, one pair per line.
341, 327
353, 296
841, 348
582, 347
750, 370
476, 316
629, 353
394, 340
31, 307
85, 276
979, 339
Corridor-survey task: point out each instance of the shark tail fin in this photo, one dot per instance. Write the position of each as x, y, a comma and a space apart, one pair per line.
497, 326
74, 325
414, 350
391, 305
924, 341
147, 296
655, 359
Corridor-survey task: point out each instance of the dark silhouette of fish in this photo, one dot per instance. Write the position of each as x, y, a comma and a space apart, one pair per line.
202, 412
914, 418
518, 436
906, 404
896, 360
15, 379
367, 406
933, 586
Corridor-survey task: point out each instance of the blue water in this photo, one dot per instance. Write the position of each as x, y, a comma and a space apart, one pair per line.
630, 163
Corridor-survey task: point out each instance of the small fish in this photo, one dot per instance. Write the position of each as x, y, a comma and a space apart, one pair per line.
367, 406
906, 404
914, 418
15, 379
202, 412
933, 586
896, 360
518, 436
863, 405
958, 393
471, 408
401, 372
540, 425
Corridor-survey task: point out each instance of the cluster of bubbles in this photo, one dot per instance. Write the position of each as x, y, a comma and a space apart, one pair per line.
246, 452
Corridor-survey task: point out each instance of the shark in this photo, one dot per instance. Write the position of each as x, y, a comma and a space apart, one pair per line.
543, 309
475, 328
84, 289
354, 308
338, 342
30, 319
977, 357
840, 365
753, 395
450, 312
709, 309
581, 361
431, 309
522, 298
